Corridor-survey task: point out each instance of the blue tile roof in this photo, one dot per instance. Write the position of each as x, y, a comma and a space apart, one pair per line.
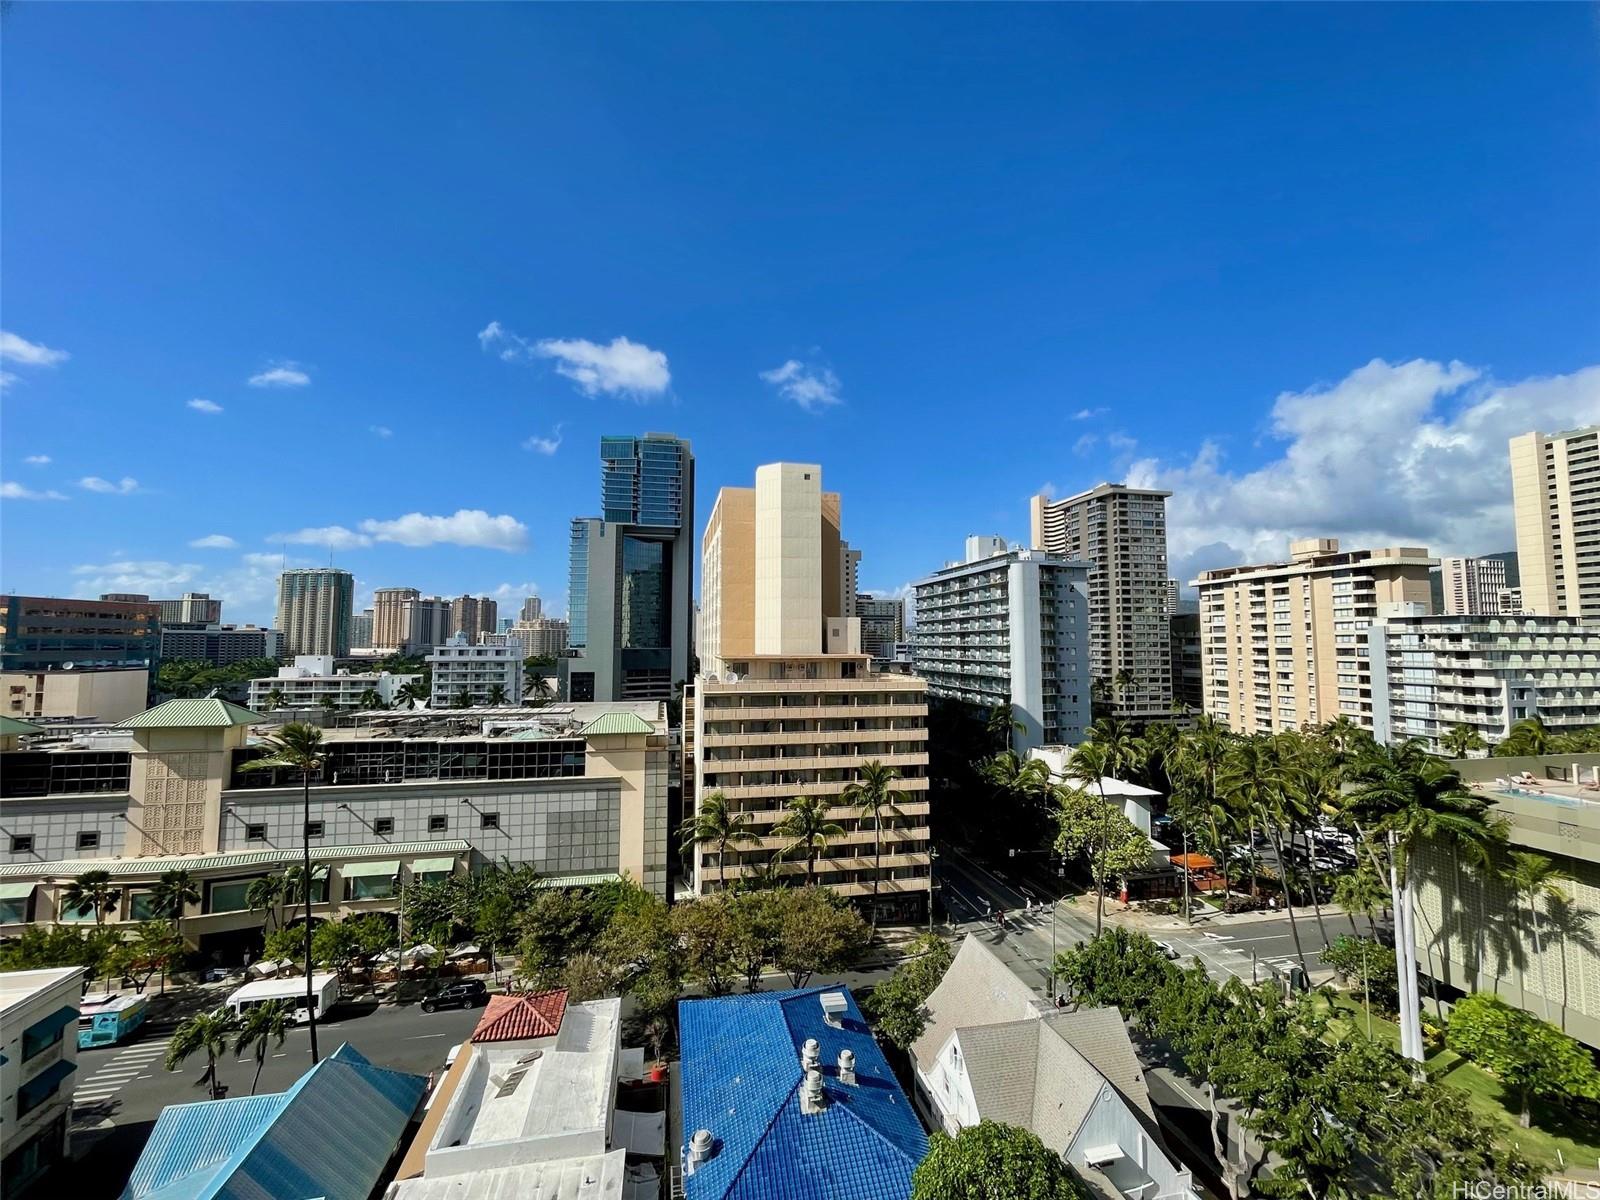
330, 1135
741, 1080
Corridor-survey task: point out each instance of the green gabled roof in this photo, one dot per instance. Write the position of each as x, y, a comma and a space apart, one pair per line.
193, 714
124, 868
11, 726
617, 722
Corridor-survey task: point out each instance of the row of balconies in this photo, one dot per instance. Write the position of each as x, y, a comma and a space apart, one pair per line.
784, 791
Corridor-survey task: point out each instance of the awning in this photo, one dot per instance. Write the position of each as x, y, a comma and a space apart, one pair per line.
639, 1133
565, 881
16, 891
34, 1092
60, 1019
430, 866
1098, 1156
369, 870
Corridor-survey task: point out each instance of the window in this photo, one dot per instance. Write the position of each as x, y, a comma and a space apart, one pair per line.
142, 906
489, 820
313, 829
228, 896
383, 826
255, 833
438, 823
22, 843
88, 839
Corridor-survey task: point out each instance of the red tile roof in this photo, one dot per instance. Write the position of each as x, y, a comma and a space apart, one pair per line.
518, 1017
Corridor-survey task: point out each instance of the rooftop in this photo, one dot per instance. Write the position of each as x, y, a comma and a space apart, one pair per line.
18, 987
519, 1016
193, 714
591, 1177
741, 1081
123, 868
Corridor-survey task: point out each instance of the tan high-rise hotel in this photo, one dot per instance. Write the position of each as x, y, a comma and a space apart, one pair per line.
1555, 489
788, 705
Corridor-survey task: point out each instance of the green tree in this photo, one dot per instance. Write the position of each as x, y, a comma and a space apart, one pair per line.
369, 699
1089, 829
717, 823
1361, 891
820, 932
155, 946
1533, 878
298, 747
896, 1007
497, 694
173, 893
462, 699
1369, 961
261, 1024
991, 1161
1120, 968
757, 931
558, 923
872, 795
806, 825
705, 930
1527, 737
208, 1031
275, 699
264, 895
1089, 765
412, 692
1202, 754
1530, 1057
1255, 778
1461, 740
328, 705
1000, 724
587, 976
92, 892
536, 679
336, 944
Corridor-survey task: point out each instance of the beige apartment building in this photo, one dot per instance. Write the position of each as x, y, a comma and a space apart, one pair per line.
391, 628
1555, 490
1121, 532
1284, 644
788, 705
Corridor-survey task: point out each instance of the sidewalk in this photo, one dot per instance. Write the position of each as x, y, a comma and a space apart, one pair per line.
1124, 914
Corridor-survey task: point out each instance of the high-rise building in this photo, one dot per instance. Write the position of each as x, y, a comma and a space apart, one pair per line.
1009, 629
1121, 532
1431, 674
361, 630
1284, 644
46, 633
314, 609
542, 637
504, 624
883, 623
1170, 601
532, 609
630, 595
194, 608
391, 626
1555, 489
426, 621
1509, 602
1188, 671
1472, 585
219, 644
851, 568
484, 674
786, 704
472, 615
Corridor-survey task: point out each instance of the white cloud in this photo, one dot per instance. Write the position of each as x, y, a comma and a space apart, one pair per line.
1085, 414
544, 445
1085, 444
205, 406
466, 527
382, 431
122, 487
513, 592
618, 368
214, 541
153, 577
812, 388
1407, 453
1047, 490
7, 378
16, 491
334, 537
21, 350
280, 375
37, 460
271, 561
250, 588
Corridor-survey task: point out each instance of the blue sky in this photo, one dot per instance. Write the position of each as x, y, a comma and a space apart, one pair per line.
1307, 266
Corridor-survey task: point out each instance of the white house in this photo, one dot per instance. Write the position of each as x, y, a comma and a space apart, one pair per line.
992, 1051
1137, 803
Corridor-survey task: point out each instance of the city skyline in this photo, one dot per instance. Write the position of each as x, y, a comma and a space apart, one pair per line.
1293, 350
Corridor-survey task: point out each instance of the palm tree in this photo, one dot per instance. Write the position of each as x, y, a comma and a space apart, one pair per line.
872, 795
264, 895
262, 1023
1088, 766
1527, 737
1202, 751
536, 684
1000, 724
1121, 684
1312, 791
717, 822
462, 699
329, 706
298, 747
1254, 777
412, 691
807, 826
208, 1031
1408, 796
1461, 740
1022, 778
369, 699
173, 893
92, 892
1361, 891
275, 699
293, 882
497, 694
1535, 877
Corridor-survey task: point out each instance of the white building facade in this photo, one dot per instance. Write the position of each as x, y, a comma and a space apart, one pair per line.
489, 675
39, 1032
312, 679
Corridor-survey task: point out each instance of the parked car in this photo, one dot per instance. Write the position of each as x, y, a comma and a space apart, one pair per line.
469, 993
1168, 949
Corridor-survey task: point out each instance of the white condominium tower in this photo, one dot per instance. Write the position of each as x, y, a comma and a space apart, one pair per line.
1472, 586
1121, 532
1555, 489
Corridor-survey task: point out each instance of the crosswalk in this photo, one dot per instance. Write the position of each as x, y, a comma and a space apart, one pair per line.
141, 1058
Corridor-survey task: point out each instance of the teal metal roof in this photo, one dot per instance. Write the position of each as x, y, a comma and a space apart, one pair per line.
10, 726
617, 722
330, 1135
193, 714
125, 868
371, 870
591, 880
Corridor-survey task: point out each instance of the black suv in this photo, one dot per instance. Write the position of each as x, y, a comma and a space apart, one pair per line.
469, 993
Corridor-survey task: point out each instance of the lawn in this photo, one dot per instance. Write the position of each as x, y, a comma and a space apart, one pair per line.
1554, 1129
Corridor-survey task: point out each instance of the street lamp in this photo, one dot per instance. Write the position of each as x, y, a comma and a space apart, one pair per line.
932, 883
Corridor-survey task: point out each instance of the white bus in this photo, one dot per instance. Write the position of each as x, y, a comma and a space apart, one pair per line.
324, 992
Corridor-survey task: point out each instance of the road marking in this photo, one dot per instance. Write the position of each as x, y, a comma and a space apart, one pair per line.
420, 1036
284, 1055
146, 1076
1218, 937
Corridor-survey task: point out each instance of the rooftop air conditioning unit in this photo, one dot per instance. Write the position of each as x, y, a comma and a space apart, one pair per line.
834, 1006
